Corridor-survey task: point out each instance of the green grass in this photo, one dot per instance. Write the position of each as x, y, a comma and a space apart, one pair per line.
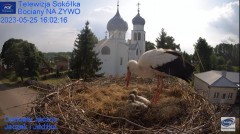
55, 81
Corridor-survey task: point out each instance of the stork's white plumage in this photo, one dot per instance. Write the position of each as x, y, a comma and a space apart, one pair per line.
159, 63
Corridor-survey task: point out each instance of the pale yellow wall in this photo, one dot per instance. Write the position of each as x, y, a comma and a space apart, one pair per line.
209, 94
221, 92
201, 87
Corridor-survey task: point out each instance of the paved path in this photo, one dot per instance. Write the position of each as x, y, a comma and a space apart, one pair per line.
13, 101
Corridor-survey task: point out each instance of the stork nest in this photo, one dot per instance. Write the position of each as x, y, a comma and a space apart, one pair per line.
100, 106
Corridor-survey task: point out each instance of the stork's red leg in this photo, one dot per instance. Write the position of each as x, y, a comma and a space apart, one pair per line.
158, 91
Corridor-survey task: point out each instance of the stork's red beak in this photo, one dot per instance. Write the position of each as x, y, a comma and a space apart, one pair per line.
128, 78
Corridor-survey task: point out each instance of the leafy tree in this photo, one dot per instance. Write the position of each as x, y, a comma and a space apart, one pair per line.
228, 51
229, 65
84, 61
202, 55
149, 45
21, 56
187, 57
166, 42
6, 55
220, 61
32, 58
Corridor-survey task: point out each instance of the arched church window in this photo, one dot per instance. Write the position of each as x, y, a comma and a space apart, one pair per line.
135, 36
137, 52
139, 36
105, 50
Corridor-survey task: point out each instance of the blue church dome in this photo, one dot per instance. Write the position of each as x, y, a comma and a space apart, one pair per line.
117, 23
138, 20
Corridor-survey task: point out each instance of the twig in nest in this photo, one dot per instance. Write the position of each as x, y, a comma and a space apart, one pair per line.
120, 118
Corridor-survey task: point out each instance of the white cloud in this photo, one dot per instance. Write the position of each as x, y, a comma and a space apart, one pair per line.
110, 9
223, 23
185, 20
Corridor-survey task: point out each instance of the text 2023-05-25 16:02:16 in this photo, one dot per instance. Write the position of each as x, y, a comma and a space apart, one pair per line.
8, 20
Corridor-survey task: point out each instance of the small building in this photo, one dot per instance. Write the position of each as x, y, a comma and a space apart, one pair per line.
218, 86
62, 63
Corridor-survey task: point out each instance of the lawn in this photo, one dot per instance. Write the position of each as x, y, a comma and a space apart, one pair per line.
55, 81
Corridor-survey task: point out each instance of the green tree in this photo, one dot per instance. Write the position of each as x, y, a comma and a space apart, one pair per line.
187, 57
32, 58
228, 51
149, 45
84, 61
166, 42
21, 56
202, 55
6, 55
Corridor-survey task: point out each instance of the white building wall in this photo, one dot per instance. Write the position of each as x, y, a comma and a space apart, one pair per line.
222, 91
122, 59
201, 87
139, 29
111, 63
208, 92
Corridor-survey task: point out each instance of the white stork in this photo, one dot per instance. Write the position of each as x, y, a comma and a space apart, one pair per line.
159, 63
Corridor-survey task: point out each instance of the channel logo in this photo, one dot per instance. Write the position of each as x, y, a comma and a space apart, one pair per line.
7, 7
227, 123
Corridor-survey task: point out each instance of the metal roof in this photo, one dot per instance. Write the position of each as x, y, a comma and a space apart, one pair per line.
138, 20
219, 78
117, 23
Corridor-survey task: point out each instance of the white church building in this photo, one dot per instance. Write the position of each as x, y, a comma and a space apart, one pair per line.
114, 51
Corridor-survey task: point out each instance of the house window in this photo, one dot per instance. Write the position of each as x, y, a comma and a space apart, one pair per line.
121, 61
139, 36
223, 96
216, 94
230, 95
105, 50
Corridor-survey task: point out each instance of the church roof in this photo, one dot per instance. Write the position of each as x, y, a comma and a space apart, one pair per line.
138, 20
117, 23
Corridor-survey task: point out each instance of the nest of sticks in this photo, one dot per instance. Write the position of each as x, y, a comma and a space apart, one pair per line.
100, 106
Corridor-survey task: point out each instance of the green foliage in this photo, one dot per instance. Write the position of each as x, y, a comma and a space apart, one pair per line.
228, 51
6, 54
22, 57
51, 55
149, 45
166, 42
187, 57
84, 61
202, 55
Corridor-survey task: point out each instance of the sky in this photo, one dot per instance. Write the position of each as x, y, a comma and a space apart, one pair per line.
186, 20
